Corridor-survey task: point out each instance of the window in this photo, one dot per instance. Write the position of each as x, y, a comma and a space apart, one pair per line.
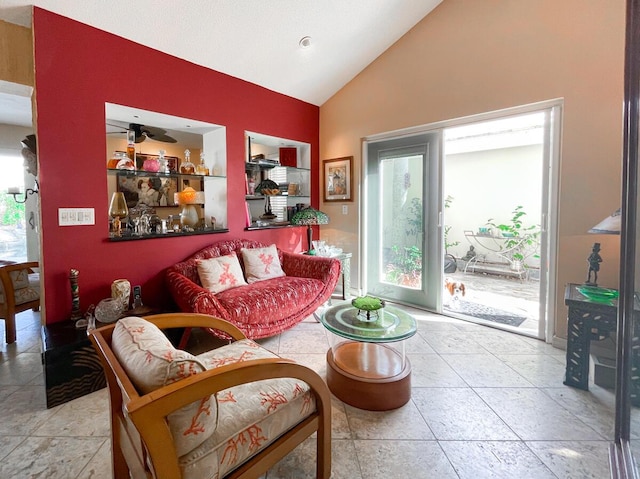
13, 242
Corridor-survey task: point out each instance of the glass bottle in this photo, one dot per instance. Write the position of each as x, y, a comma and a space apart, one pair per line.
131, 146
164, 163
187, 168
202, 169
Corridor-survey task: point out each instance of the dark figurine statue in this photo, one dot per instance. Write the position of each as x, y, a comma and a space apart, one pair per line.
470, 254
594, 261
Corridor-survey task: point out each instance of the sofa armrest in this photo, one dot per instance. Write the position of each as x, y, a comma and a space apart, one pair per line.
322, 268
192, 297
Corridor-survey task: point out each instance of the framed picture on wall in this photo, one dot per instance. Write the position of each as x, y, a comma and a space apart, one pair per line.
338, 179
154, 191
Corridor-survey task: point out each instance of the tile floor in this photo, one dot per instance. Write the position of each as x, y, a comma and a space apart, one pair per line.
485, 404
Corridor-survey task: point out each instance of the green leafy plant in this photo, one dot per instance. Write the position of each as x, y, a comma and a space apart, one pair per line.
405, 265
11, 212
519, 238
447, 203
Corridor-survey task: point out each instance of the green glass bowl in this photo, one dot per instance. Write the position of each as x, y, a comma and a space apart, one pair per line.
367, 303
594, 293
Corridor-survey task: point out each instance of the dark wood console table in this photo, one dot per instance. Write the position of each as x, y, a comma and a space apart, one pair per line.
71, 365
593, 321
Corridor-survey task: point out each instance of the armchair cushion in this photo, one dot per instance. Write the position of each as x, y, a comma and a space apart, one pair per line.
26, 286
151, 362
261, 263
250, 416
220, 274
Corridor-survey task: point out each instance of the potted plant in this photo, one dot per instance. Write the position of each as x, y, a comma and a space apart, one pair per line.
450, 261
520, 241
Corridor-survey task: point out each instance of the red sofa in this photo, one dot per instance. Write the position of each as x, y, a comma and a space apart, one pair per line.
259, 309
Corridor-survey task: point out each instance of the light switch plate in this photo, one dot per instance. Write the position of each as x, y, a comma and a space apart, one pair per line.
76, 216
345, 210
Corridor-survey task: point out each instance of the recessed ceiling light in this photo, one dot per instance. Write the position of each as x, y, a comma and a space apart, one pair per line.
305, 42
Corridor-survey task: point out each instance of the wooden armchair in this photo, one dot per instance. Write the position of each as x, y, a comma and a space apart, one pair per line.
242, 443
19, 291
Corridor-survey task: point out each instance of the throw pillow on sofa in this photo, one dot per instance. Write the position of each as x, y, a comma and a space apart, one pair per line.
220, 273
261, 263
151, 362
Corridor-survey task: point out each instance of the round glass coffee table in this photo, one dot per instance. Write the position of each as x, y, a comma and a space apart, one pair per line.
366, 363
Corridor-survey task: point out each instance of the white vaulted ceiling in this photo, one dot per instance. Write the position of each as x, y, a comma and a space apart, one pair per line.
255, 40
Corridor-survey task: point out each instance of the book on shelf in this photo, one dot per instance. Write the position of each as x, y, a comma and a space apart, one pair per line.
247, 213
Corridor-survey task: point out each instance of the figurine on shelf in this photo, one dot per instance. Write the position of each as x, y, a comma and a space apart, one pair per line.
594, 261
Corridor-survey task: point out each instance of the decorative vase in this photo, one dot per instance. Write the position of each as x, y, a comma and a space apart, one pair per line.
152, 165
75, 295
121, 290
108, 310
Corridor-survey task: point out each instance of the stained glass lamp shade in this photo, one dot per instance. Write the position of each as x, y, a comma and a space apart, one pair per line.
309, 217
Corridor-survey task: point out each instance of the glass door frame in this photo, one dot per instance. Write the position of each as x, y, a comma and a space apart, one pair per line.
552, 142
427, 145
621, 456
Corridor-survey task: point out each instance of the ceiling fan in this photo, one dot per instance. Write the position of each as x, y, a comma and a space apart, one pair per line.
142, 132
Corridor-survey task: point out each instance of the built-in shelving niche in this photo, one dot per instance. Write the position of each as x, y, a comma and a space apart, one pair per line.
196, 136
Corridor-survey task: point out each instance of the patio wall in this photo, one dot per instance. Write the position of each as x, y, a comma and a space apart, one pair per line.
490, 184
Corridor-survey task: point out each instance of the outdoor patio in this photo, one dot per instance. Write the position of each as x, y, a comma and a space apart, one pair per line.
498, 299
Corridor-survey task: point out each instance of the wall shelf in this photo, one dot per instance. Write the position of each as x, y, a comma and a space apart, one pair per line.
167, 235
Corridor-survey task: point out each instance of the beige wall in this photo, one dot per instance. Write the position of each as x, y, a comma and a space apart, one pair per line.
16, 54
469, 57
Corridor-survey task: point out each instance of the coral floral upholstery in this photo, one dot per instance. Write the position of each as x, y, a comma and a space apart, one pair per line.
262, 308
151, 362
19, 291
246, 407
250, 416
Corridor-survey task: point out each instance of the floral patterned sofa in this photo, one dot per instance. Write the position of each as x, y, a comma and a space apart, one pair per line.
261, 308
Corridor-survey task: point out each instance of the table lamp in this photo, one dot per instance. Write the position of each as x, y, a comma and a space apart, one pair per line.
188, 198
117, 210
611, 225
309, 217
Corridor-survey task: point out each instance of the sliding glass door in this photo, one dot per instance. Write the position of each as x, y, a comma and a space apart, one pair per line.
401, 209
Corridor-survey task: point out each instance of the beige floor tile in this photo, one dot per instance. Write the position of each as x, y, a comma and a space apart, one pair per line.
460, 414
430, 370
21, 370
403, 423
403, 460
495, 460
484, 370
85, 416
580, 459
50, 457
534, 416
99, 466
24, 411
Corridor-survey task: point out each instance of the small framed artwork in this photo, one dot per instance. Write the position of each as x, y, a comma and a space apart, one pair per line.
338, 179
152, 191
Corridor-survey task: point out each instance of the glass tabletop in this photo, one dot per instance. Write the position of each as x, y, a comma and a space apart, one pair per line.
390, 325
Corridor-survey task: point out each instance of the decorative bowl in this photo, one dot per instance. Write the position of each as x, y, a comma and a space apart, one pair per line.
367, 303
108, 310
594, 293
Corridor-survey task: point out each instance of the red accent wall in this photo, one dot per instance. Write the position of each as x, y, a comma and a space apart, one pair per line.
78, 69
